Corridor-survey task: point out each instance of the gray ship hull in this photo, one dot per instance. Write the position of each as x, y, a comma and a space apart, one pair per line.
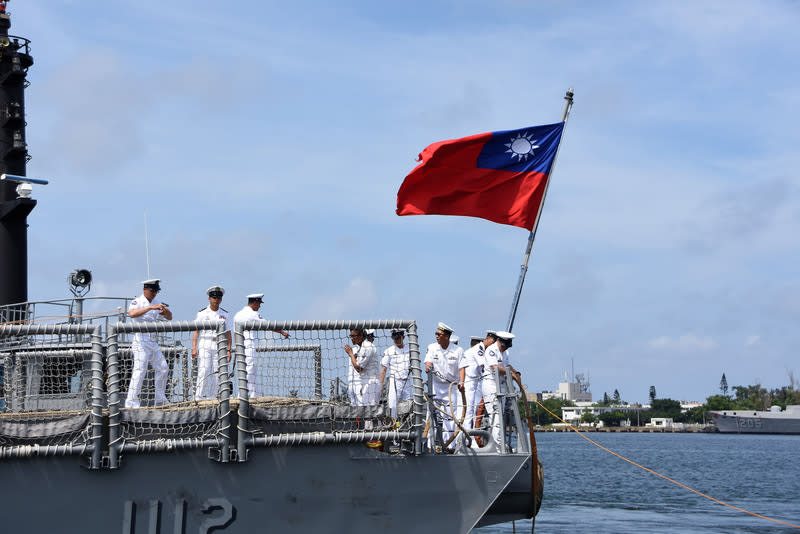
754, 422
300, 489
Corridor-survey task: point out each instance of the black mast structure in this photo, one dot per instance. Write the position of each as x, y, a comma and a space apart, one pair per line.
15, 201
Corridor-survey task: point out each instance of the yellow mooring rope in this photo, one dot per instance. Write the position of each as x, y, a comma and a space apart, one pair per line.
710, 498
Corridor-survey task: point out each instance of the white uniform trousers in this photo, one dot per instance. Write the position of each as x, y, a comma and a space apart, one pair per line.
147, 352
493, 412
398, 391
207, 372
255, 383
354, 388
473, 393
445, 398
370, 394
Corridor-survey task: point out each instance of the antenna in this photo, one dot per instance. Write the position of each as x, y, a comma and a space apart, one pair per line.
146, 244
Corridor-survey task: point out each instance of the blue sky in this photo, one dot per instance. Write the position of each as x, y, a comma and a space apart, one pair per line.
267, 141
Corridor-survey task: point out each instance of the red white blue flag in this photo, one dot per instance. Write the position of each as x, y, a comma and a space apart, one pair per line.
499, 176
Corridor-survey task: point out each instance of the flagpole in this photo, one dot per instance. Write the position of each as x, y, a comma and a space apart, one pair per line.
532, 236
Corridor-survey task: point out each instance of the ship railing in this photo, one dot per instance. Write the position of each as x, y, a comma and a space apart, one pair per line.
299, 390
20, 44
184, 418
77, 310
504, 419
516, 432
293, 390
53, 392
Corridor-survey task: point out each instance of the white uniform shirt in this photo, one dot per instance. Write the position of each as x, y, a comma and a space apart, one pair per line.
493, 357
207, 314
367, 359
247, 314
397, 362
446, 362
474, 358
148, 317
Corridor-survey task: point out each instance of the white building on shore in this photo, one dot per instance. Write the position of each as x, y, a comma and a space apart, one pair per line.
572, 414
575, 391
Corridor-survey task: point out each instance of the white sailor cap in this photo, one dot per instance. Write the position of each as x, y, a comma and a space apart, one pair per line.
505, 336
444, 328
257, 297
398, 332
492, 333
474, 339
369, 331
454, 339
153, 284
215, 290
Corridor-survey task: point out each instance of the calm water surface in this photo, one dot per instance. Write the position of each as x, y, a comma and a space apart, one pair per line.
588, 490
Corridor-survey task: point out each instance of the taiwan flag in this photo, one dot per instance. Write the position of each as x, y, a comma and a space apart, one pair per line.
499, 176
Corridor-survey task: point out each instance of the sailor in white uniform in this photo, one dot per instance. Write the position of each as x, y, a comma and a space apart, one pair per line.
474, 370
250, 313
204, 345
445, 362
496, 359
366, 386
145, 309
396, 364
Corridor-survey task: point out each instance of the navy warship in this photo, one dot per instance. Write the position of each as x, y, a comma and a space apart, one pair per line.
297, 456
774, 421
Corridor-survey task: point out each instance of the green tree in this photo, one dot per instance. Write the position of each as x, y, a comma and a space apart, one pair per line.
588, 417
723, 385
717, 403
695, 415
652, 394
665, 408
606, 400
617, 399
752, 397
612, 418
784, 395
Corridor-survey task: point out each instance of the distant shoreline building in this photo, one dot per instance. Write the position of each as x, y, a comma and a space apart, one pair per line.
576, 390
572, 414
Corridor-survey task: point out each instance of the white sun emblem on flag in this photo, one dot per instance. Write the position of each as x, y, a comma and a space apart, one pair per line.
522, 146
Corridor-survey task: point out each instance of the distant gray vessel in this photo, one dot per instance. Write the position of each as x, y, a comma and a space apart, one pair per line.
279, 447
774, 421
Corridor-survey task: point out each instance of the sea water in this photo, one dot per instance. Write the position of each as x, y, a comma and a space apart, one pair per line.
587, 489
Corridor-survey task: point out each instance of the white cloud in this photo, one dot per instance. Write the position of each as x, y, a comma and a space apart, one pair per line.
754, 339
